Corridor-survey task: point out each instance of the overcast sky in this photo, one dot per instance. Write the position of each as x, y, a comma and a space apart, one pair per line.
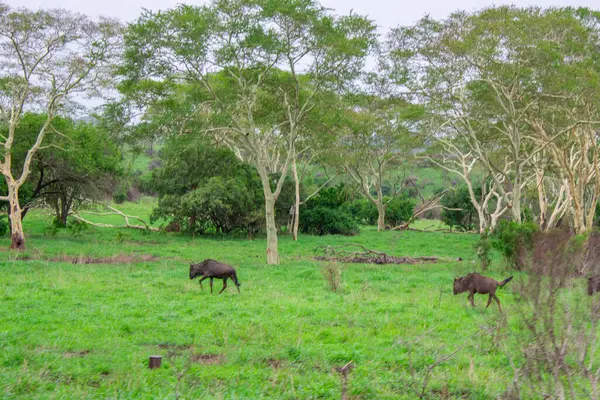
387, 14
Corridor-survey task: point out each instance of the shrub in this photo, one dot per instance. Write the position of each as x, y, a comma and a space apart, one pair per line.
327, 221
514, 241
332, 273
399, 210
120, 196
76, 228
465, 219
362, 211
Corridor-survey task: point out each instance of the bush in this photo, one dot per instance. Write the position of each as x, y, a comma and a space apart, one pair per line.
332, 273
514, 241
327, 221
362, 211
465, 219
227, 204
76, 228
399, 210
120, 196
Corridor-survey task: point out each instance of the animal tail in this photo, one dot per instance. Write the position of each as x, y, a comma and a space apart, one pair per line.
504, 282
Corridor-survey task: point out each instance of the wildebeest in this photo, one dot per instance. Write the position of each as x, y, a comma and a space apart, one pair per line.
214, 269
593, 284
475, 283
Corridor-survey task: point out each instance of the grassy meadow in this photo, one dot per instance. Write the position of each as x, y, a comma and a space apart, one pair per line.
86, 330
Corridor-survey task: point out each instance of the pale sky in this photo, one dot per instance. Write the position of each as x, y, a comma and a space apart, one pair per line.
387, 14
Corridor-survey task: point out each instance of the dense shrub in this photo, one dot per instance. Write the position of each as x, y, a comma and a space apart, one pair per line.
399, 210
514, 241
465, 219
362, 211
206, 189
327, 221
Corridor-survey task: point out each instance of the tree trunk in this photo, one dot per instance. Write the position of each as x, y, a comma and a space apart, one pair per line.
270, 199
16, 224
296, 219
64, 212
380, 216
272, 248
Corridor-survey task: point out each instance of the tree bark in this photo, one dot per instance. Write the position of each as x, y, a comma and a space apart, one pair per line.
272, 241
296, 219
16, 224
380, 215
270, 199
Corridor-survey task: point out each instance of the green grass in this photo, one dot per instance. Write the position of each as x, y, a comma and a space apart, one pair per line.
86, 331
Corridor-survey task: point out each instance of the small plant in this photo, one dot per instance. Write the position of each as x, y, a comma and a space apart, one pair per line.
53, 228
332, 272
122, 237
77, 228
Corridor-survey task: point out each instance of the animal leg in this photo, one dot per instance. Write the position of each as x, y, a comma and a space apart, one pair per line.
224, 285
200, 281
498, 301
471, 296
211, 282
489, 301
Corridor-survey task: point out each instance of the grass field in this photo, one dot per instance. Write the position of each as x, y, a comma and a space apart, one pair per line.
86, 331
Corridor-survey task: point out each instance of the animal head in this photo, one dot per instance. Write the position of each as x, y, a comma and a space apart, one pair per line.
459, 285
196, 269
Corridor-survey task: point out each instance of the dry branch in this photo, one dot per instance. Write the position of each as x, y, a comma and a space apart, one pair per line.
114, 211
357, 253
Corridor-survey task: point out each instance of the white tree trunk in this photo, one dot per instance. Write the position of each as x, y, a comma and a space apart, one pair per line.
16, 225
296, 214
380, 215
272, 241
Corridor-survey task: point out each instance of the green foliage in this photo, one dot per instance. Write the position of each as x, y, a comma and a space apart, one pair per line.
399, 210
514, 241
120, 195
465, 219
4, 225
82, 164
363, 211
77, 228
327, 221
208, 189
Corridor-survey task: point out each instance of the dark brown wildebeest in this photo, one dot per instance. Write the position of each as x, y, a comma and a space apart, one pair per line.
475, 283
214, 269
593, 284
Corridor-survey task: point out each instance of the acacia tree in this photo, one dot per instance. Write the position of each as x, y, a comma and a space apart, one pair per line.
475, 98
379, 135
488, 80
251, 69
46, 58
81, 164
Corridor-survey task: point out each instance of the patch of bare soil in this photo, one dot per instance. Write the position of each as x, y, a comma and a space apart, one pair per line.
116, 259
79, 353
207, 359
273, 363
